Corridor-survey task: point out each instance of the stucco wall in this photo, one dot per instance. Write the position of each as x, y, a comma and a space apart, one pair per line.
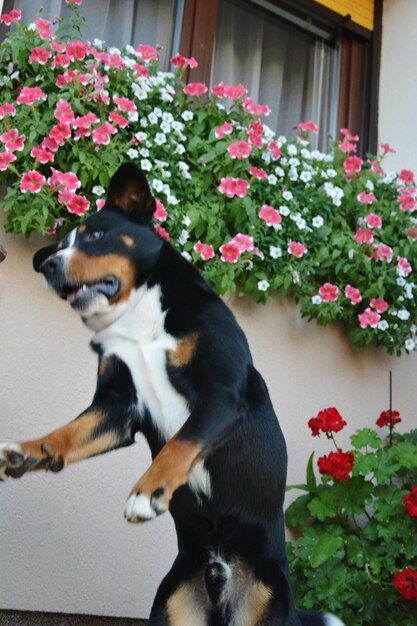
398, 83
64, 545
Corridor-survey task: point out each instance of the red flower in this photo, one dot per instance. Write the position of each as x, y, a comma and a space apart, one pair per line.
406, 583
13, 16
384, 418
338, 464
410, 502
328, 420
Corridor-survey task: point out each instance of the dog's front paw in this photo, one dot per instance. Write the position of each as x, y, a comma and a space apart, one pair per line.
141, 507
12, 461
18, 458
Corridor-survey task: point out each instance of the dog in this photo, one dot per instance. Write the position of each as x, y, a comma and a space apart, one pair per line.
175, 365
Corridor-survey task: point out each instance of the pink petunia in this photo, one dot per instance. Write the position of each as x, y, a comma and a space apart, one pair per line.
245, 242
101, 134
118, 119
148, 53
58, 47
141, 70
49, 144
181, 61
13, 142
373, 220
407, 202
230, 252
383, 253
366, 198
270, 215
407, 176
39, 55
297, 249
375, 167
30, 95
5, 159
235, 91
364, 235
348, 135
61, 60
241, 187
43, 156
274, 149
60, 132
233, 187
100, 202
125, 104
77, 49
161, 232
13, 16
224, 129
78, 205
257, 172
404, 266
7, 109
379, 305
352, 165
329, 292
77, 3
65, 196
239, 150
32, 181
309, 127
387, 148
347, 146
353, 294
369, 318
255, 109
195, 89
85, 121
43, 27
160, 212
63, 112
205, 250
219, 90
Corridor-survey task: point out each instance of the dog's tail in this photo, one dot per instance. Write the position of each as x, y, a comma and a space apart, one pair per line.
314, 618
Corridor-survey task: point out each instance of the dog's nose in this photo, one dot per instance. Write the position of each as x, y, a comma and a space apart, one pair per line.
51, 265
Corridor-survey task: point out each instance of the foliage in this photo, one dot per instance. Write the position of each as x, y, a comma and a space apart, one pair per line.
259, 214
356, 551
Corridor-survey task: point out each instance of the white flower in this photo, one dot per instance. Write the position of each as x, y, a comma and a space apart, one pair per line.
130, 50
184, 236
186, 255
132, 153
132, 116
317, 221
98, 190
292, 150
140, 92
160, 138
275, 252
158, 185
144, 152
294, 162
306, 176
388, 178
152, 117
263, 285
403, 314
410, 344
165, 127
370, 185
272, 179
293, 174
144, 122
331, 173
146, 165
180, 148
287, 195
306, 154
97, 43
141, 136
114, 50
282, 140
187, 116
284, 210
317, 299
279, 172
186, 220
401, 282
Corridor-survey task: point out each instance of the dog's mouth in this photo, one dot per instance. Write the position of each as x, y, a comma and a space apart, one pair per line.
81, 293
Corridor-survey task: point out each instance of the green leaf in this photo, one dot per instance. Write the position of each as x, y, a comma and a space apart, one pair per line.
366, 437
310, 476
326, 547
298, 513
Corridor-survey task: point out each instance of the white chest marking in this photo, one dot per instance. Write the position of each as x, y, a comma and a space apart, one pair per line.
139, 339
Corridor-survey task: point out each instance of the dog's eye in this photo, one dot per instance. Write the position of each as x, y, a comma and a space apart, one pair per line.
94, 235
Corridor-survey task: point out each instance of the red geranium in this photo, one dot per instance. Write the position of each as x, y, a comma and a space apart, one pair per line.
384, 418
410, 501
338, 464
406, 583
328, 420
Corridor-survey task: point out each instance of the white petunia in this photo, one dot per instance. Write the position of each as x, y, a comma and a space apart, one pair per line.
132, 153
146, 165
187, 116
275, 252
317, 221
263, 285
98, 190
382, 325
317, 299
410, 344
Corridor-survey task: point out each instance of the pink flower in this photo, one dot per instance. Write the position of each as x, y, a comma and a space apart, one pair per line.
407, 202
379, 304
387, 148
296, 248
148, 53
375, 167
348, 136
60, 132
404, 265
363, 235
274, 149
78, 205
224, 129
61, 60
258, 172
181, 61
85, 121
118, 119
233, 187
77, 50
13, 16
309, 127
30, 95
256, 130
65, 196
245, 242
43, 27
141, 70
77, 3
162, 232
366, 198
204, 250
255, 109
353, 294
230, 252
161, 212
369, 318
270, 215
383, 253
100, 202
352, 165
329, 292
373, 220
68, 181
5, 159
7, 109
124, 104
239, 150
49, 144
347, 146
195, 89
39, 55
235, 91
219, 90
43, 156
407, 176
32, 181
12, 141
412, 232
58, 47
101, 134
63, 112
241, 187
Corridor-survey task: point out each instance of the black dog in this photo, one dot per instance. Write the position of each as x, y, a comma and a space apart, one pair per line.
174, 364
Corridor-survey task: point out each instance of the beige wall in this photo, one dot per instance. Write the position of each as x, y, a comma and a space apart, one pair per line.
64, 545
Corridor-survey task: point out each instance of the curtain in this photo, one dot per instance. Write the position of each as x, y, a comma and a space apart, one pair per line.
290, 70
117, 22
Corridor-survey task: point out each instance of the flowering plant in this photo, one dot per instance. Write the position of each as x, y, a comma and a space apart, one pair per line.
356, 528
259, 214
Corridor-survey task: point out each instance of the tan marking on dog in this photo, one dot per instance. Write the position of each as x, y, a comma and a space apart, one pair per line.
103, 364
82, 228
184, 350
170, 469
60, 246
185, 607
84, 269
252, 596
129, 241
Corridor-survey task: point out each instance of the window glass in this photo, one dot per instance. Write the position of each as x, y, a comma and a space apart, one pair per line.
293, 71
117, 22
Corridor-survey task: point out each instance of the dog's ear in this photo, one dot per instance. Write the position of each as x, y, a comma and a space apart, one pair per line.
41, 255
129, 191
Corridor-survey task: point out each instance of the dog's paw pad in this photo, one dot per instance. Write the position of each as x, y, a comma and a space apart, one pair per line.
11, 458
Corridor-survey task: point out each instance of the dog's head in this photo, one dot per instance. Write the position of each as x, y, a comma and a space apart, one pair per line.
98, 265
